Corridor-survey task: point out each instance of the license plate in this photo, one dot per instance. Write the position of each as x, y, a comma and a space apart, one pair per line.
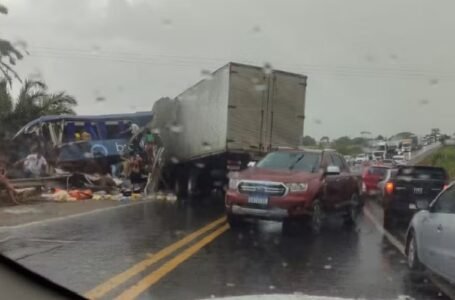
418, 191
261, 200
412, 206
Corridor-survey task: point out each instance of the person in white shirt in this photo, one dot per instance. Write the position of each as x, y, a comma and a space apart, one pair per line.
35, 165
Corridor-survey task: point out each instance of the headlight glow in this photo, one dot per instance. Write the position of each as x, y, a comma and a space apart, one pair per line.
297, 187
233, 183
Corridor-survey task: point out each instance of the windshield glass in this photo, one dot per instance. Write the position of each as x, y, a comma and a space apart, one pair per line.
422, 173
201, 149
377, 171
299, 161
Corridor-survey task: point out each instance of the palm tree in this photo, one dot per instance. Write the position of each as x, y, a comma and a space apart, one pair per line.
32, 102
9, 54
58, 104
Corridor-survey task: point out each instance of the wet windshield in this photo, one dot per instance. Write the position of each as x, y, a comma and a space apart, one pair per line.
201, 149
377, 171
298, 161
422, 173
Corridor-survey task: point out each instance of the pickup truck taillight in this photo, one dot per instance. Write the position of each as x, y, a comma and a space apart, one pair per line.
389, 187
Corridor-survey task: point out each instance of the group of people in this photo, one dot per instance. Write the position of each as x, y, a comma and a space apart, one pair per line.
33, 165
136, 164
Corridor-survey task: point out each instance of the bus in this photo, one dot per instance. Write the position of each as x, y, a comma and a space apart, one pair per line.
59, 137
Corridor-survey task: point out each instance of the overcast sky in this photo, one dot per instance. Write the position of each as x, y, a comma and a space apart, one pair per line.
383, 66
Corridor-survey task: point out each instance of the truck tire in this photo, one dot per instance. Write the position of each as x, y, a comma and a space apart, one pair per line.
180, 185
192, 189
354, 210
317, 217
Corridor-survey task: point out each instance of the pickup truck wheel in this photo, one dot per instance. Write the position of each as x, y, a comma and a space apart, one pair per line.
354, 210
234, 221
317, 217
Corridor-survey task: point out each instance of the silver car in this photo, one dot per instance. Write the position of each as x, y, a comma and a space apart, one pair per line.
430, 240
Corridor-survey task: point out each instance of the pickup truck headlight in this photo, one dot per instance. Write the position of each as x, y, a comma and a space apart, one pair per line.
297, 187
233, 183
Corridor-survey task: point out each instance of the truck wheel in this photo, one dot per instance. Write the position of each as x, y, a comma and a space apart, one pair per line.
234, 221
317, 217
192, 183
354, 210
180, 188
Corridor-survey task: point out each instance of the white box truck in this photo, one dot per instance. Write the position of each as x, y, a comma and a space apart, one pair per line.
223, 122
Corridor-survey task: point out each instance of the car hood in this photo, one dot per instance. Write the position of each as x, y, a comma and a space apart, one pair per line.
275, 175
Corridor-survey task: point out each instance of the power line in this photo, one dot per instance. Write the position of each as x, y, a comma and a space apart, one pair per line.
194, 61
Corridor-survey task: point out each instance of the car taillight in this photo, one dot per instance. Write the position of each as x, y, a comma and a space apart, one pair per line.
445, 186
389, 186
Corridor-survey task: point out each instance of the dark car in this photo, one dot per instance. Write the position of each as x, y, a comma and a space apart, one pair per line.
412, 187
294, 184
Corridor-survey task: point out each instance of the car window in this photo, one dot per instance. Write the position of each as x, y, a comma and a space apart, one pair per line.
377, 171
326, 160
446, 202
423, 173
336, 161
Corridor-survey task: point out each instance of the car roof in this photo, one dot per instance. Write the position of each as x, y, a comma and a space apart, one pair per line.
379, 166
307, 150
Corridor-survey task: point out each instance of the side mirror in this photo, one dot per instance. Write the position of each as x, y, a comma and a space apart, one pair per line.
332, 170
251, 164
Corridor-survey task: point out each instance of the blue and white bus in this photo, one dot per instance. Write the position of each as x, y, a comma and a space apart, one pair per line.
109, 136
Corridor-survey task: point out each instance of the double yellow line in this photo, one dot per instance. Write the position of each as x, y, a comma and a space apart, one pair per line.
147, 281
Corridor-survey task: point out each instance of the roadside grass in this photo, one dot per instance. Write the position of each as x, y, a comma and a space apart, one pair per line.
444, 157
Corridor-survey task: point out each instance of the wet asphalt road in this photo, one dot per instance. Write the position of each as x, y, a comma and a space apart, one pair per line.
83, 252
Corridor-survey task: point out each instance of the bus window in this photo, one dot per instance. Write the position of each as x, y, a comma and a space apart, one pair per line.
102, 130
69, 132
113, 130
91, 129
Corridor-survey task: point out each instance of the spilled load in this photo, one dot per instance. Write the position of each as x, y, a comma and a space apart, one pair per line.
224, 122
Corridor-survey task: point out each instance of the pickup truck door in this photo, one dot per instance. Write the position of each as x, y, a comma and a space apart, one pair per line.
333, 187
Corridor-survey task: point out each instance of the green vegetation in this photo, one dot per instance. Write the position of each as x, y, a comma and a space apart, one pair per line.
444, 157
33, 101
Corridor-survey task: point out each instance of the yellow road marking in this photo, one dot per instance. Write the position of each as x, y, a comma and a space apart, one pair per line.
170, 265
105, 287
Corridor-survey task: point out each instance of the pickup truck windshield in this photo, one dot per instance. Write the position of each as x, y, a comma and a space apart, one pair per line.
299, 161
422, 173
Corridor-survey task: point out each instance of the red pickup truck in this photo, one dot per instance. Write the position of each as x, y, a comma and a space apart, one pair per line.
294, 184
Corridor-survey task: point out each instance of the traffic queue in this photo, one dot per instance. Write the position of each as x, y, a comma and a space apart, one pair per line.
420, 198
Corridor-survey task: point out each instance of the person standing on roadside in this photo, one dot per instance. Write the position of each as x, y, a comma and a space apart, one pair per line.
4, 183
35, 165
